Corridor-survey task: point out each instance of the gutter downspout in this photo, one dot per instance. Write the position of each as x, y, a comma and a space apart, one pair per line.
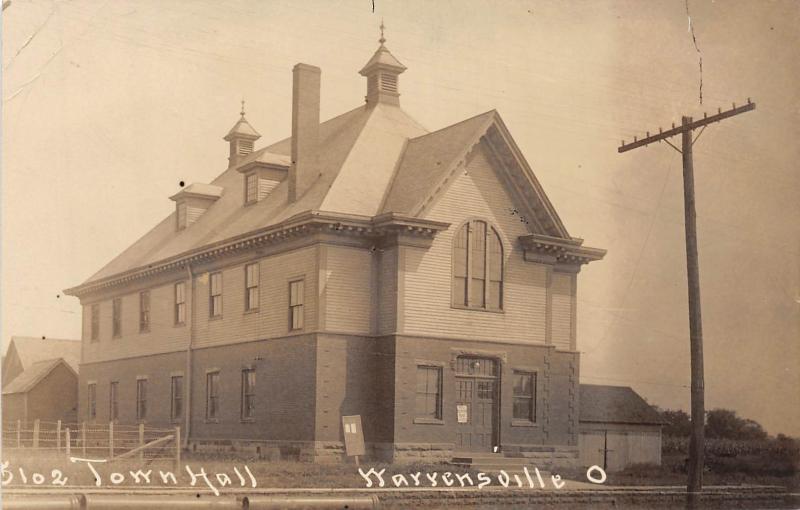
188, 394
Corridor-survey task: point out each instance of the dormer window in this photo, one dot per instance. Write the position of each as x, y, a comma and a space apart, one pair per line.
192, 201
262, 175
251, 188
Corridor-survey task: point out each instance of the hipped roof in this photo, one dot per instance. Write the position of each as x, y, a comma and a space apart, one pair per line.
374, 159
615, 404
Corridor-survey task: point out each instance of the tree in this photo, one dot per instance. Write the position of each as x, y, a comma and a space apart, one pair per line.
725, 424
676, 423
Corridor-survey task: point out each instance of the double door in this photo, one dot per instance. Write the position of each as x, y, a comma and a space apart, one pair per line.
476, 404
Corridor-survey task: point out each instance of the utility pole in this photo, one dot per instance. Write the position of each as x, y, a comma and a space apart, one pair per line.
697, 443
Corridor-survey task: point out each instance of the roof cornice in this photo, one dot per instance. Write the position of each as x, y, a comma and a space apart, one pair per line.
551, 249
305, 223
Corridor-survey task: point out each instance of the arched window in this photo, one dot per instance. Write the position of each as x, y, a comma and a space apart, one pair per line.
478, 267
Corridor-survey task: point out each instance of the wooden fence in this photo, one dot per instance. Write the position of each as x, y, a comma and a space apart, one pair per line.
95, 440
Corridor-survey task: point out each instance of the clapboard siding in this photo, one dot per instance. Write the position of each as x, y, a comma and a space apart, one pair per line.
476, 193
387, 291
164, 335
269, 321
272, 317
562, 310
347, 289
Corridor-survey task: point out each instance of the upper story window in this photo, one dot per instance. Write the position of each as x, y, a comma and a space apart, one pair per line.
180, 303
116, 318
95, 324
478, 267
251, 287
251, 188
215, 295
144, 311
296, 300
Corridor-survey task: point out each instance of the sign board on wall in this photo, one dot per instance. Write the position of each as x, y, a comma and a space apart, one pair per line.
353, 435
463, 417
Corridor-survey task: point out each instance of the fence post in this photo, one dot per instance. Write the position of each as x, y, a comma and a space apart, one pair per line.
69, 440
177, 449
141, 441
111, 440
19, 433
36, 433
58, 436
83, 438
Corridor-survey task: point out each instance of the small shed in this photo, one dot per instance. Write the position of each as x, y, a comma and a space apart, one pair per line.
40, 380
617, 428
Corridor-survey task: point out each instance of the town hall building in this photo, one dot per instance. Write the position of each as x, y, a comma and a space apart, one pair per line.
363, 266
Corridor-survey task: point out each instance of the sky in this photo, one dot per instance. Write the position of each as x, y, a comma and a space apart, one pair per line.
107, 106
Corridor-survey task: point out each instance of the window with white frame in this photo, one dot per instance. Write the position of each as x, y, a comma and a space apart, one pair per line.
180, 303
95, 322
116, 317
215, 295
251, 188
296, 300
251, 287
144, 311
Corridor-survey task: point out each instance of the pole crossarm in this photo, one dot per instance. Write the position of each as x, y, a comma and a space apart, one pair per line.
706, 120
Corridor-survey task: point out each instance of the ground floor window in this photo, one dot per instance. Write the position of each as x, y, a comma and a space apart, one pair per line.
429, 392
91, 402
141, 399
176, 407
113, 405
524, 396
248, 394
212, 395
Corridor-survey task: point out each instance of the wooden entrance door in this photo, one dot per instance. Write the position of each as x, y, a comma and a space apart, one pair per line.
476, 404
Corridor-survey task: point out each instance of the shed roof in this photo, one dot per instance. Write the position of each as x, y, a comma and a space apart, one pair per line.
615, 404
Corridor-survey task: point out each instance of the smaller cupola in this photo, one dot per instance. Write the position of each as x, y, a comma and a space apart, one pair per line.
192, 201
241, 138
382, 72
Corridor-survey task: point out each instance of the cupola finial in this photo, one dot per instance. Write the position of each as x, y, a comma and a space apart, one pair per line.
382, 73
242, 112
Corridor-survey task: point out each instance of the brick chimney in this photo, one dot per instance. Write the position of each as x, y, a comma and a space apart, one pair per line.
305, 129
